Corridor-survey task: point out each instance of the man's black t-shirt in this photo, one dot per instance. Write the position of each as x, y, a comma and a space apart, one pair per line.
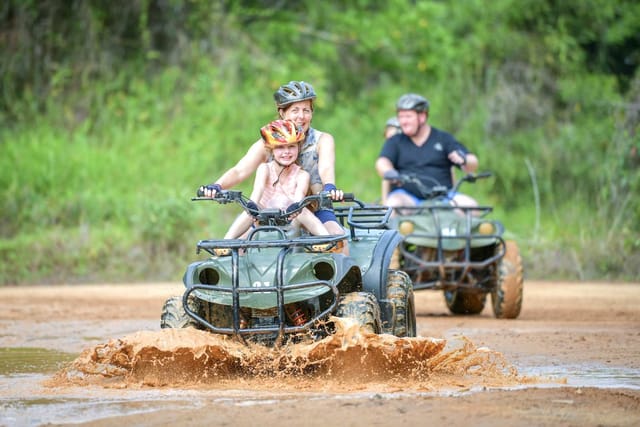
427, 161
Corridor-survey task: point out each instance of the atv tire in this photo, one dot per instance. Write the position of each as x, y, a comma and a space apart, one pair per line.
361, 307
400, 305
465, 302
507, 295
175, 317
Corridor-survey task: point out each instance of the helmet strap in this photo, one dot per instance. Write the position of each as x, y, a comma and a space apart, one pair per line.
281, 171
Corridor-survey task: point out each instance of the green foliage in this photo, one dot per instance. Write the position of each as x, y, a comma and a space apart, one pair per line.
113, 114
165, 224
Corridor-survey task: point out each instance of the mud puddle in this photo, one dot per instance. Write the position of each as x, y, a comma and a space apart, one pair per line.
23, 360
587, 375
186, 368
146, 371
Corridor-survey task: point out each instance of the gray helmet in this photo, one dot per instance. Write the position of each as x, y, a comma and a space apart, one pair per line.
413, 101
393, 122
293, 92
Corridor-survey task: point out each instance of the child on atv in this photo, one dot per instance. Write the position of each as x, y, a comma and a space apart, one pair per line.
281, 182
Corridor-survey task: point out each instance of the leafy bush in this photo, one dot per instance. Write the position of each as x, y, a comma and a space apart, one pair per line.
103, 144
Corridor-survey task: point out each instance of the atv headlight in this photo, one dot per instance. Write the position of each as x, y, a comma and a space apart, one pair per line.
222, 252
320, 247
406, 227
486, 228
209, 276
324, 270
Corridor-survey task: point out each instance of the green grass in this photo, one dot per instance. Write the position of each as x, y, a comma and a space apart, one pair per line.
107, 198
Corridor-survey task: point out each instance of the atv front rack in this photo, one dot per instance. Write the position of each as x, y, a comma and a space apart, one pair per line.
279, 288
455, 260
281, 329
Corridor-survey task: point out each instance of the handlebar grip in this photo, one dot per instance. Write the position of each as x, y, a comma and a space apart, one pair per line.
484, 175
348, 197
200, 192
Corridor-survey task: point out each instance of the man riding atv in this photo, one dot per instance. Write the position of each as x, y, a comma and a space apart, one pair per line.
423, 151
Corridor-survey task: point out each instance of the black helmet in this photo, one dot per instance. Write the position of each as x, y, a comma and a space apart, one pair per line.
293, 92
413, 101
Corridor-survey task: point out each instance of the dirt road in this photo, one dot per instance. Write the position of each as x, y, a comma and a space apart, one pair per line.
572, 358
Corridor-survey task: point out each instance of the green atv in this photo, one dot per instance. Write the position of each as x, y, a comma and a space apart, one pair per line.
459, 250
278, 285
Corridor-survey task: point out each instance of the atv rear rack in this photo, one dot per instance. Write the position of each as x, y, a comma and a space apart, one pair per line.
364, 217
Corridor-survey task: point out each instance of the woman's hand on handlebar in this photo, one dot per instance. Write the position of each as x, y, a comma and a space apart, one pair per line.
209, 190
335, 194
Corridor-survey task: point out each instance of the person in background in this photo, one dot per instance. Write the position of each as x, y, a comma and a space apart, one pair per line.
424, 151
391, 127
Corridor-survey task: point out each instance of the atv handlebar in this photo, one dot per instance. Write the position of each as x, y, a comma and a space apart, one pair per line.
473, 178
437, 190
271, 216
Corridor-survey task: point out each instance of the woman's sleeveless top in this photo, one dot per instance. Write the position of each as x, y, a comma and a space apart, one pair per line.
308, 159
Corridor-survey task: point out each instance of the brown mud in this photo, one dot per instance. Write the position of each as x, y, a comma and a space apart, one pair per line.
460, 370
351, 358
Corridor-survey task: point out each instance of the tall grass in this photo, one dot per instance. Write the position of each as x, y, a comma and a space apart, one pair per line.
106, 196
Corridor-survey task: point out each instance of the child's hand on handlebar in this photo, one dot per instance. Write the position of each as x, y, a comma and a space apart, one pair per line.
293, 210
252, 207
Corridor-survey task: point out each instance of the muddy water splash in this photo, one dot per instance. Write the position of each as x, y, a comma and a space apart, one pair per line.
351, 359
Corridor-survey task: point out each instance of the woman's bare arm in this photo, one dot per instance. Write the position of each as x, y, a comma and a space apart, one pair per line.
327, 159
247, 165
259, 183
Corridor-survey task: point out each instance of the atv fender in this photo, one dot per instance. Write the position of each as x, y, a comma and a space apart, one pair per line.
375, 277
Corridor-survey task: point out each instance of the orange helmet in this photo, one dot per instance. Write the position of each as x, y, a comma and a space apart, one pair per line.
281, 132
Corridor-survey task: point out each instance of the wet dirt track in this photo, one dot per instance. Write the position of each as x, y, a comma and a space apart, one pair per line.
571, 358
